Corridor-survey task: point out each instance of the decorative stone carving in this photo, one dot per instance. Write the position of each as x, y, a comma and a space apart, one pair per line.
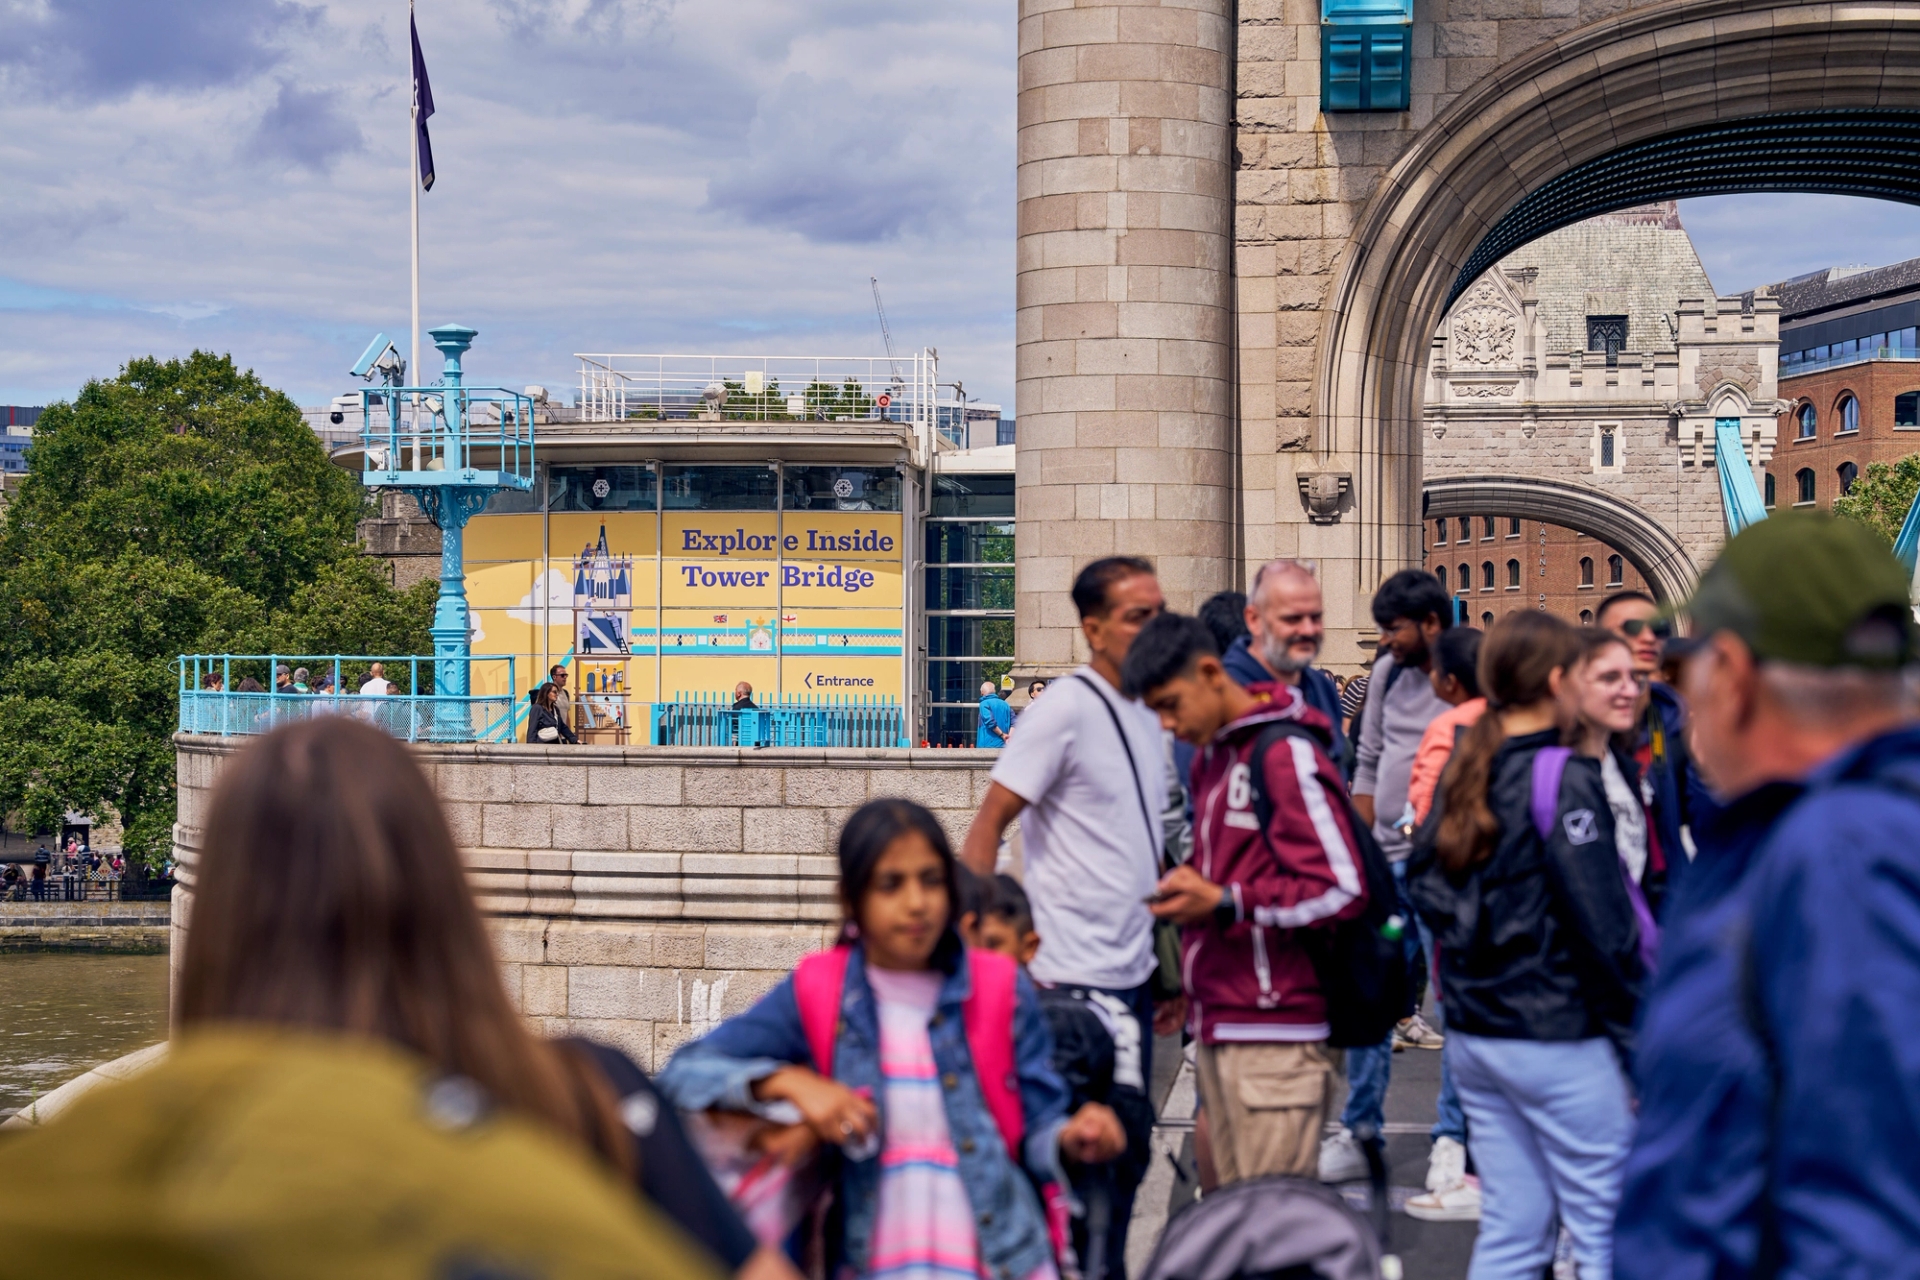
1324, 491
1483, 390
1484, 326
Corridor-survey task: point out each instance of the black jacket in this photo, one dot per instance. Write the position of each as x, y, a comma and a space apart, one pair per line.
1538, 942
539, 717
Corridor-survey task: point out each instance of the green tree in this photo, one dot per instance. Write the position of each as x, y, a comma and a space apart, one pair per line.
181, 507
1881, 495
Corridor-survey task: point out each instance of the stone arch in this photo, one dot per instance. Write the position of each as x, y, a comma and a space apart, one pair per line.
1670, 69
1646, 543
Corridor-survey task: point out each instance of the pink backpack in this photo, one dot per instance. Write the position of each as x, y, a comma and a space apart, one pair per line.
819, 982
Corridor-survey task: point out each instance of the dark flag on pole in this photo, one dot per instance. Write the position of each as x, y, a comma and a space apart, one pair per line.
422, 107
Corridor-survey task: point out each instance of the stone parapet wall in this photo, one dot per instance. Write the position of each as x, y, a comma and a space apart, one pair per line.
638, 894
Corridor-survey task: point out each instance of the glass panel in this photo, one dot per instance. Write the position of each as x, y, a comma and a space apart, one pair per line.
702, 488
1906, 338
1770, 488
511, 502
1906, 409
1606, 448
988, 495
1848, 348
1848, 474
1790, 358
1440, 530
970, 543
1876, 342
600, 488
842, 489
970, 588
953, 638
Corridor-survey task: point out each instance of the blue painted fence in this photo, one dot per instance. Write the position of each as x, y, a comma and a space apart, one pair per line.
410, 713
709, 720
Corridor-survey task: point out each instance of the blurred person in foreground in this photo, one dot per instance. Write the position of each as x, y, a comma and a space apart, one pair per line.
349, 1090
1778, 1073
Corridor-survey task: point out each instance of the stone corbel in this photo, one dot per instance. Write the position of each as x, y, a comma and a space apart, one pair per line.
1324, 492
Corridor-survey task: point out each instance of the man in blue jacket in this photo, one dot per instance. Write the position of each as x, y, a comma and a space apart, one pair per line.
1778, 1073
1286, 628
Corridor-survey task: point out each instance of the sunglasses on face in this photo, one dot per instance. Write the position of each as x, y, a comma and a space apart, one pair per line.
1634, 626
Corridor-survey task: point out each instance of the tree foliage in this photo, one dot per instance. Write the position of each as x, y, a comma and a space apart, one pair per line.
1881, 495
180, 507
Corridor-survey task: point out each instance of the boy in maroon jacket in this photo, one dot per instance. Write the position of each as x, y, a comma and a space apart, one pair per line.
1263, 1066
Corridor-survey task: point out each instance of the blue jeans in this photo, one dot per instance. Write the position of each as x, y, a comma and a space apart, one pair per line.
1551, 1126
1369, 1070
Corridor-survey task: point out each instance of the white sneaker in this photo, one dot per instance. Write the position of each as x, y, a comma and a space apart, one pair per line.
1446, 1165
1341, 1159
1457, 1203
1414, 1033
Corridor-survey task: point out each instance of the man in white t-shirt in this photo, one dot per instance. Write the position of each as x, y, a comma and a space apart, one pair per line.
1087, 777
376, 685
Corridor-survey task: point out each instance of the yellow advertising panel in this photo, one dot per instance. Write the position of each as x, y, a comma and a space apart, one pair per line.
841, 535
629, 533
723, 535
834, 675
694, 676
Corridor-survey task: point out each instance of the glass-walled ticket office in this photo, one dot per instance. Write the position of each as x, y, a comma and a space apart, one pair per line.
652, 581
968, 594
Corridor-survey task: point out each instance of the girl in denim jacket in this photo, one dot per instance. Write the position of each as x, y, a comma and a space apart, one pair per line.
927, 1189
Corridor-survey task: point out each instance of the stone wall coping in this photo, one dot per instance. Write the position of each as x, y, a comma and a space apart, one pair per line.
769, 757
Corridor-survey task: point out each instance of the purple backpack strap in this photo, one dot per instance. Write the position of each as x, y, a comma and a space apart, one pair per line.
1549, 763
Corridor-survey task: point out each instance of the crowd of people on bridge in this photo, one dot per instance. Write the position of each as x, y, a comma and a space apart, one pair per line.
1654, 898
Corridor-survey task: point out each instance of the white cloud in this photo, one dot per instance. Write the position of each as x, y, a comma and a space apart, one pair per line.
559, 592
1752, 240
612, 175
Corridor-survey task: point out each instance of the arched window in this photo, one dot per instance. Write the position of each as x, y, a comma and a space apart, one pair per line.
1586, 617
1486, 575
1809, 421
1906, 409
1586, 571
1440, 531
1486, 621
1513, 575
1770, 488
1803, 486
1466, 578
1616, 571
1848, 473
1849, 411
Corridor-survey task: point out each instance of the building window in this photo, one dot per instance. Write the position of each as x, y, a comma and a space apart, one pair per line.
1513, 526
1586, 617
1848, 474
1466, 578
1486, 575
1486, 621
1440, 531
1606, 446
1809, 421
968, 590
1607, 334
1616, 571
1906, 409
1586, 571
1849, 411
1770, 489
1486, 526
1803, 487
1513, 575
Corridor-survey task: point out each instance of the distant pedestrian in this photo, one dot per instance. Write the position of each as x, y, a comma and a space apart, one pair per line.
1456, 679
1604, 696
376, 684
562, 700
996, 717
213, 682
1035, 689
1087, 776
42, 867
1412, 611
743, 697
283, 679
1779, 1088
300, 684
1539, 961
1224, 614
249, 685
1282, 628
544, 724
324, 685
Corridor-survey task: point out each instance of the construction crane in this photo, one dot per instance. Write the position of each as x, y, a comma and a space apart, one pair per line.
886, 333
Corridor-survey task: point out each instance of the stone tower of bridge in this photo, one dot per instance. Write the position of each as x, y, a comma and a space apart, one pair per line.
1144, 428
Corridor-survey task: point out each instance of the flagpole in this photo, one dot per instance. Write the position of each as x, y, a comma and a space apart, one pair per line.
413, 188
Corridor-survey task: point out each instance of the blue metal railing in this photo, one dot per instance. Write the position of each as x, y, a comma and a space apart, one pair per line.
1861, 356
709, 720
211, 701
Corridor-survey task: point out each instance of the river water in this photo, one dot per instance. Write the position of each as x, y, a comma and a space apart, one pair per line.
62, 1012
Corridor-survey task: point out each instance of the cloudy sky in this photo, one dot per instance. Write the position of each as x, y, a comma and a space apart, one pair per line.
613, 175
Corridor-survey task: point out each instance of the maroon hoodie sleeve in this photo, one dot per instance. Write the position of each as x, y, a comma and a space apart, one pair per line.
1314, 874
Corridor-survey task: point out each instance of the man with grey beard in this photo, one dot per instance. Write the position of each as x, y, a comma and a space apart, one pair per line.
1286, 626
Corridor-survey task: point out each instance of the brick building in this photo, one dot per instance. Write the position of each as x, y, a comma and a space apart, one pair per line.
1850, 372
1495, 565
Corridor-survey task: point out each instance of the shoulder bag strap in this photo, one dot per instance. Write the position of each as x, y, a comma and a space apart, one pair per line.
1153, 840
1549, 764
819, 981
988, 1013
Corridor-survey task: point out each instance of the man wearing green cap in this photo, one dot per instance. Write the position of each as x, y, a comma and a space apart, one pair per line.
1778, 1067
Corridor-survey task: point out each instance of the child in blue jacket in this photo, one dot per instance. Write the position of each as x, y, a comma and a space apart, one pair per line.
908, 1013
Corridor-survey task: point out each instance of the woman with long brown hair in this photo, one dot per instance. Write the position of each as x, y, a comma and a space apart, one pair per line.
1538, 960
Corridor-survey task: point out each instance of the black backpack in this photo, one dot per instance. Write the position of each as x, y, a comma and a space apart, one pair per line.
1361, 963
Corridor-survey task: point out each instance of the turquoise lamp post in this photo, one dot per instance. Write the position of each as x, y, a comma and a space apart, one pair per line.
457, 448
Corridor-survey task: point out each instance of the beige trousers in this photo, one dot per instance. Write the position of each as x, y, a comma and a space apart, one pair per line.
1265, 1104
